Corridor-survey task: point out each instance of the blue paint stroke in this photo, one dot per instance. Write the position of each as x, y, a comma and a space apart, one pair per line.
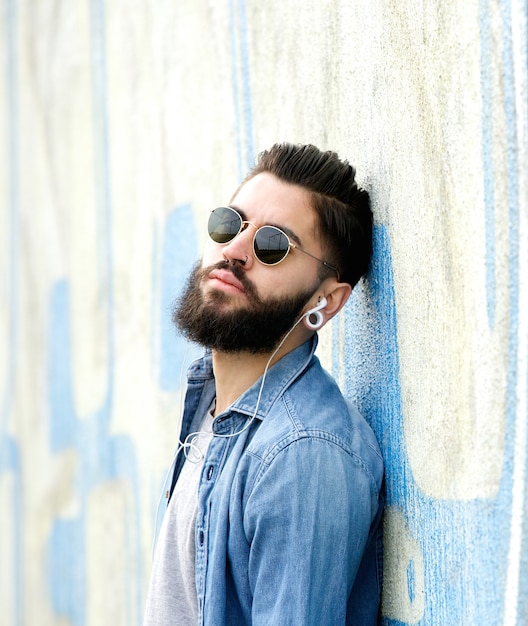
243, 113
66, 551
9, 450
178, 256
512, 165
486, 87
246, 86
411, 581
63, 423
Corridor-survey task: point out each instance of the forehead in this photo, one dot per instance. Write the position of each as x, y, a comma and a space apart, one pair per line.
265, 199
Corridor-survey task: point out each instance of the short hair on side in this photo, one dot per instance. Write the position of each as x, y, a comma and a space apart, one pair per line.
343, 208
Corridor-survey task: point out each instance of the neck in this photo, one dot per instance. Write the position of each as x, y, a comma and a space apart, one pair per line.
235, 372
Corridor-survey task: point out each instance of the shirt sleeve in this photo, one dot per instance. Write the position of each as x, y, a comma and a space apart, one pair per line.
308, 521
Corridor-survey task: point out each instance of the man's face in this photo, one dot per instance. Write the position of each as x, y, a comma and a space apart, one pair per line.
234, 306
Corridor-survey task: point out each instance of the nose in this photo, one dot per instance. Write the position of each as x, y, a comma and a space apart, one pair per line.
240, 249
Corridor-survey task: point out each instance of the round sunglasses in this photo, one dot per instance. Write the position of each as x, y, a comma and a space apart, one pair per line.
271, 245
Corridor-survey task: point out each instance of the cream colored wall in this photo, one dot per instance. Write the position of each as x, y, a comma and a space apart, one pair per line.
121, 125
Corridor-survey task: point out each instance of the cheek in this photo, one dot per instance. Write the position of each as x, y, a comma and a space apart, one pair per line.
272, 283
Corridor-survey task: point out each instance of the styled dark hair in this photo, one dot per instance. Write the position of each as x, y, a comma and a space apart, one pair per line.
342, 208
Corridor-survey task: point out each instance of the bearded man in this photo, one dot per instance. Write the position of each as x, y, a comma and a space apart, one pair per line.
275, 503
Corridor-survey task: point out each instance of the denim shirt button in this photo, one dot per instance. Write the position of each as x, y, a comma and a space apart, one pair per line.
210, 472
201, 537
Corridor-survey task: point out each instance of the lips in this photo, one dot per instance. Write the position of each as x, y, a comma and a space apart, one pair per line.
227, 277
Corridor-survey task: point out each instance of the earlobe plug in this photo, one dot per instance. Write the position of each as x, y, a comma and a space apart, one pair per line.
313, 318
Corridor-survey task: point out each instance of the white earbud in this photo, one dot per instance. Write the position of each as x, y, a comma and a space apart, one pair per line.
314, 318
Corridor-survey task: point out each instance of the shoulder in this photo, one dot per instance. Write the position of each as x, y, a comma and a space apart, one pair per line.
313, 416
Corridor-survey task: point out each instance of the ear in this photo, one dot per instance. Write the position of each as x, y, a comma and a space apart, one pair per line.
336, 295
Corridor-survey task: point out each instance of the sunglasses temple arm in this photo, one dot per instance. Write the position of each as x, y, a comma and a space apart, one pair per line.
318, 259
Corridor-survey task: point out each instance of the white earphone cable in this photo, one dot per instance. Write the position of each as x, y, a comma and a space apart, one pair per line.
189, 443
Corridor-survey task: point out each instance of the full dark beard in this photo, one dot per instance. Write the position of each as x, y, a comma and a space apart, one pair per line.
256, 329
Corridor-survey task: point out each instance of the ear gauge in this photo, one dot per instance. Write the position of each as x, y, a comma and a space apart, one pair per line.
313, 318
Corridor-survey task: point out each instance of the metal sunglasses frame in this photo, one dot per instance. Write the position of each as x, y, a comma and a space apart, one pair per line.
245, 223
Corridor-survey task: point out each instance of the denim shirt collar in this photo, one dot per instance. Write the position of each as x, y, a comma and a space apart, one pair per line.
278, 378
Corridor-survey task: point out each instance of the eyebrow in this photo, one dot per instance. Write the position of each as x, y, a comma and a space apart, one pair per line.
295, 238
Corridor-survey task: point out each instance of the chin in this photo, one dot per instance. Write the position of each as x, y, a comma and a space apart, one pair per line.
217, 297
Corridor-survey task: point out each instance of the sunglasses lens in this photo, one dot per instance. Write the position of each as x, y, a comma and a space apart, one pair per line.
271, 245
224, 224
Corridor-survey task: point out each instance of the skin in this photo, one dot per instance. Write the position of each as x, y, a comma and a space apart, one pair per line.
264, 199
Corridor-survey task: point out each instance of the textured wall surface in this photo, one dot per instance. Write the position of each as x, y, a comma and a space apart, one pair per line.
121, 125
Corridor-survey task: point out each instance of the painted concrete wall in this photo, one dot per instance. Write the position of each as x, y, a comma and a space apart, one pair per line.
121, 125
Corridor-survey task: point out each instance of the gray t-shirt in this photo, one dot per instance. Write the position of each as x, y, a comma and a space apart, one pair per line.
172, 597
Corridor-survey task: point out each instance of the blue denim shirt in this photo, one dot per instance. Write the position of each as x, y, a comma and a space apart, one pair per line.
288, 525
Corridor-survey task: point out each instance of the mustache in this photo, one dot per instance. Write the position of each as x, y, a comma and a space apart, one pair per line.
238, 272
